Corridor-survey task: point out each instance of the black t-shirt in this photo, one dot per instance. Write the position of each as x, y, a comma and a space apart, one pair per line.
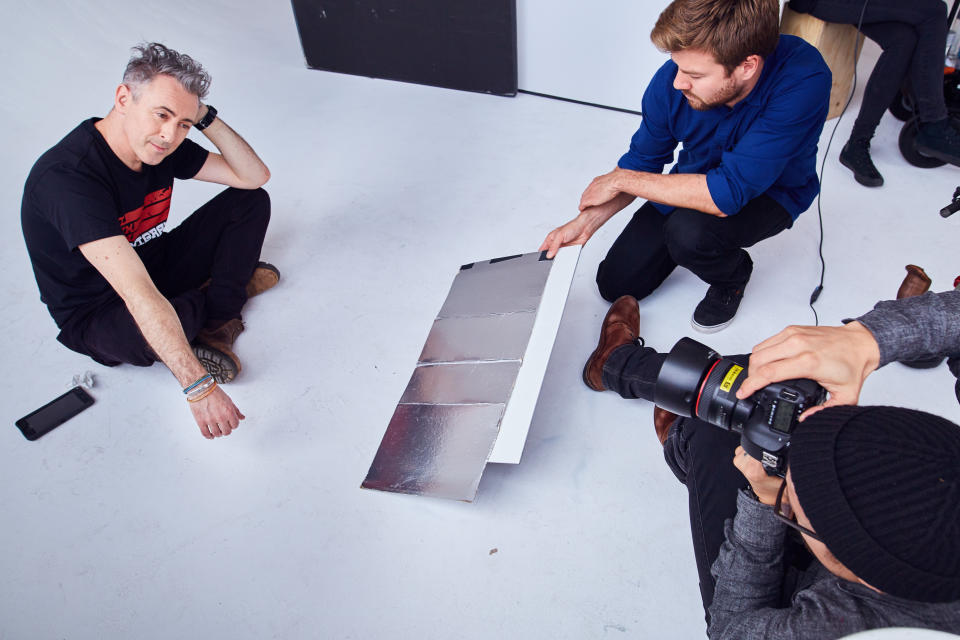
80, 191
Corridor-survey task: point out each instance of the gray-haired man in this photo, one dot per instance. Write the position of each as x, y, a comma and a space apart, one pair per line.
121, 288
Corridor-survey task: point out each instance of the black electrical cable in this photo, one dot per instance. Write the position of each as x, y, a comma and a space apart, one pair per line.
823, 265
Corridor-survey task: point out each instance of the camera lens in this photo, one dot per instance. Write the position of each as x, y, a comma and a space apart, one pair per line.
695, 381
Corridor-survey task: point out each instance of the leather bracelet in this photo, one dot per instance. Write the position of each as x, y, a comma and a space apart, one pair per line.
202, 395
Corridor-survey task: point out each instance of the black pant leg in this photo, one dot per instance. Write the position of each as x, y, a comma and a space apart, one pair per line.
713, 247
220, 241
638, 261
632, 371
928, 19
109, 335
898, 41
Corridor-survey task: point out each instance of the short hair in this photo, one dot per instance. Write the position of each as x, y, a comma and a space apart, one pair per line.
151, 59
731, 30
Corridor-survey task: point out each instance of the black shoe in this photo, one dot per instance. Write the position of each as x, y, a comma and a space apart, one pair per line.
939, 140
855, 156
717, 308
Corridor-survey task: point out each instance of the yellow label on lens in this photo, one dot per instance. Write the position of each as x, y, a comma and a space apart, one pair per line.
730, 377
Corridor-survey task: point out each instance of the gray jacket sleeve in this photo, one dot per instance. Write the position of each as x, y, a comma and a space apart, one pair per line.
916, 328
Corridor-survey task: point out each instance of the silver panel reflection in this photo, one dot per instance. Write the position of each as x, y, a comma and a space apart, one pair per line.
444, 428
462, 383
503, 286
435, 450
493, 337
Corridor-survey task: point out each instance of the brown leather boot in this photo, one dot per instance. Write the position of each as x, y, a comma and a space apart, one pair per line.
213, 349
662, 421
264, 277
620, 326
916, 282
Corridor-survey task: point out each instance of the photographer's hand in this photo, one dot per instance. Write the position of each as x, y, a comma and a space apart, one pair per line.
765, 486
838, 358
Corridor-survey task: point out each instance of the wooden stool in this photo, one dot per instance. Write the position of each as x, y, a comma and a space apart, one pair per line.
835, 43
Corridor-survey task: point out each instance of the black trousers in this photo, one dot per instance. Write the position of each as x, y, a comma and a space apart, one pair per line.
913, 36
219, 242
652, 245
701, 457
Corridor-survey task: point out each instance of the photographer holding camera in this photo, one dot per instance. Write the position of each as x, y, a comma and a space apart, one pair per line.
858, 528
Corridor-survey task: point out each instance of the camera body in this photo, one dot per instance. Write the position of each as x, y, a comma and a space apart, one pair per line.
696, 381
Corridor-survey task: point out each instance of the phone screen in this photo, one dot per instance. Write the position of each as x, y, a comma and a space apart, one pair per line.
53, 414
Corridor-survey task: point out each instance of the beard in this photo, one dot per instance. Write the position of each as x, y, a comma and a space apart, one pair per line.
727, 92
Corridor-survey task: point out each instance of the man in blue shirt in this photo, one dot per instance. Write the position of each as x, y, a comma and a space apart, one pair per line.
748, 105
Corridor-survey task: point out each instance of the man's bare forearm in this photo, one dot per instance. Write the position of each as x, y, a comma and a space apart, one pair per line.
678, 190
239, 156
161, 328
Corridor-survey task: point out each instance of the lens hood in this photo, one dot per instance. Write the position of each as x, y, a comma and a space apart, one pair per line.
681, 375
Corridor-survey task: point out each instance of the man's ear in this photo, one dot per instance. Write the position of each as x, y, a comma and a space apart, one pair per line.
750, 67
122, 98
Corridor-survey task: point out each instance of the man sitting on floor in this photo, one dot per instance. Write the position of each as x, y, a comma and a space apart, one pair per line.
748, 105
120, 288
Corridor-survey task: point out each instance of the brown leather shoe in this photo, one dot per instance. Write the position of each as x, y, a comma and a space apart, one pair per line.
213, 349
264, 277
620, 326
916, 282
662, 421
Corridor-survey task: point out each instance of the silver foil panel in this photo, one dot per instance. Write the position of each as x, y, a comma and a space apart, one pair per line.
462, 383
493, 337
505, 285
435, 450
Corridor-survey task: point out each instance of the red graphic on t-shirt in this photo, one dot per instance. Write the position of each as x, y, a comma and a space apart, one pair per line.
146, 222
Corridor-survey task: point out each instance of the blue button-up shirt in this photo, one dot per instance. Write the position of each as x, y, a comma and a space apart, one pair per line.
766, 143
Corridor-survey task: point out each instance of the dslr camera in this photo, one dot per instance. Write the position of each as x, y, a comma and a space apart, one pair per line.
696, 381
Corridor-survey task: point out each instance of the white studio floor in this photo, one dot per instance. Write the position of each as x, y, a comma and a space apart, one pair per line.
125, 523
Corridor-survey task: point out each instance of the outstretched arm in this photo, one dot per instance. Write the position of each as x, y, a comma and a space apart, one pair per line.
116, 260
237, 164
839, 358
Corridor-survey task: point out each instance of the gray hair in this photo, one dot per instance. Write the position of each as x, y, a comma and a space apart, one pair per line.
151, 59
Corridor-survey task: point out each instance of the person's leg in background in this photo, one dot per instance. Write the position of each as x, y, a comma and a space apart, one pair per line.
898, 41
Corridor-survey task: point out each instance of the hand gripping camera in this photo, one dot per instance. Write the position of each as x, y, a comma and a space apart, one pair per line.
697, 381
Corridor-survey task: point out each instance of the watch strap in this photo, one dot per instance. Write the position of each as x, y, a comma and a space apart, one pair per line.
208, 119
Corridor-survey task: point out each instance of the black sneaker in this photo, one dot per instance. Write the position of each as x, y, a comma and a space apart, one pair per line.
939, 140
855, 156
717, 308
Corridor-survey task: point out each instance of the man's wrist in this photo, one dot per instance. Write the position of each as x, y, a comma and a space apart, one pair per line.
207, 118
865, 345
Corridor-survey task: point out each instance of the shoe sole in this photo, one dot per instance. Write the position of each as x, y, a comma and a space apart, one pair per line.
710, 329
218, 364
867, 182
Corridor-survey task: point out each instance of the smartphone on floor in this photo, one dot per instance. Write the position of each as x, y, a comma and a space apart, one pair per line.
54, 413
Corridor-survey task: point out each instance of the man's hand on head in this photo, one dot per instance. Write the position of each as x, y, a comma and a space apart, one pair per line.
216, 415
838, 358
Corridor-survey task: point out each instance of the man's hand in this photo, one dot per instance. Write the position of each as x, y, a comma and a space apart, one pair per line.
602, 190
216, 415
839, 358
581, 228
765, 486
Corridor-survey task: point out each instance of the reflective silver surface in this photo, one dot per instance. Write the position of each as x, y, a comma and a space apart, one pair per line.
491, 337
502, 287
435, 450
448, 419
462, 383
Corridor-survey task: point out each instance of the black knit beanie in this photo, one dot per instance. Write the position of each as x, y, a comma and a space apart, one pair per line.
881, 487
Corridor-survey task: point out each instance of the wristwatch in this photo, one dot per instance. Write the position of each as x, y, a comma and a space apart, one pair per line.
207, 120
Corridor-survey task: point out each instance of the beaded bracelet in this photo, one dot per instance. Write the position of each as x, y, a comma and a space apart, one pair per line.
206, 377
200, 395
